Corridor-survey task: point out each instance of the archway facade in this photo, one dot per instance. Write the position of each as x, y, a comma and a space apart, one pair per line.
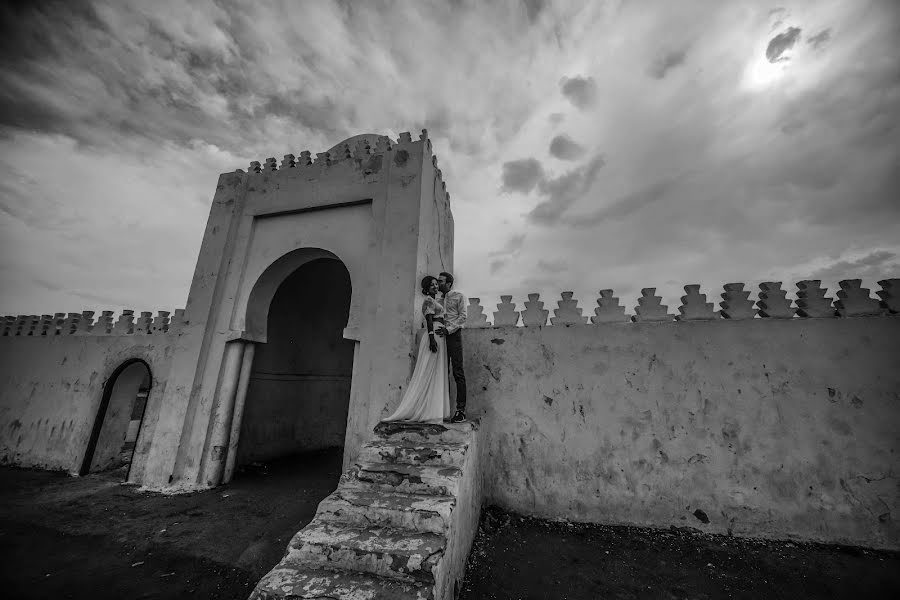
119, 418
381, 211
298, 394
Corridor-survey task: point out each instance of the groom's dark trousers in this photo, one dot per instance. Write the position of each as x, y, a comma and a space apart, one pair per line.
454, 349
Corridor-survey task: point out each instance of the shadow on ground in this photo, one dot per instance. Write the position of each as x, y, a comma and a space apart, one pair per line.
92, 537
517, 557
64, 537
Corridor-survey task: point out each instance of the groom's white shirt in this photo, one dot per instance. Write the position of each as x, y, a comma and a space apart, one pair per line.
454, 310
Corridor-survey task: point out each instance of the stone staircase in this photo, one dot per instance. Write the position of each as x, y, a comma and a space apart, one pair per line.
399, 525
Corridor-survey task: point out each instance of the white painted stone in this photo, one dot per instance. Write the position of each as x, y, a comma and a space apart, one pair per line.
534, 315
506, 315
86, 324
104, 323
125, 324
632, 424
144, 323
70, 325
890, 295
854, 300
736, 303
47, 326
7, 325
475, 316
608, 309
811, 300
161, 322
568, 312
395, 524
773, 303
650, 307
694, 306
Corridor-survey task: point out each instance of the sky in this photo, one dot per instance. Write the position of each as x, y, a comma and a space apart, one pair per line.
585, 145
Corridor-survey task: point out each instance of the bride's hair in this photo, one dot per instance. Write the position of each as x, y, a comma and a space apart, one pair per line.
426, 283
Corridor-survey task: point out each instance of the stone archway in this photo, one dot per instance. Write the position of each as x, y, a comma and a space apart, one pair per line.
119, 419
298, 393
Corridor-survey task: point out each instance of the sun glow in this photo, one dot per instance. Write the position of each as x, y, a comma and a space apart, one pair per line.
760, 74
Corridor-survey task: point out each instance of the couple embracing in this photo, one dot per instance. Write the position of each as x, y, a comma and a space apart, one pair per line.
427, 397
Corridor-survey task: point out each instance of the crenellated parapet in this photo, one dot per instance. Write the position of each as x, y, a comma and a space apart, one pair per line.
83, 323
475, 316
366, 152
367, 155
568, 312
811, 302
694, 306
534, 315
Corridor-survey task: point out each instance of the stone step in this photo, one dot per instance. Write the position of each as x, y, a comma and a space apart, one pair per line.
414, 453
383, 551
425, 432
409, 479
430, 514
293, 581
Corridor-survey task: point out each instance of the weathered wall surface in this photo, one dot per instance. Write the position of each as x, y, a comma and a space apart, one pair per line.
51, 388
361, 207
769, 427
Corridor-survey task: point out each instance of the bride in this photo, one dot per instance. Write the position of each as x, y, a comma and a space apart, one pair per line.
427, 397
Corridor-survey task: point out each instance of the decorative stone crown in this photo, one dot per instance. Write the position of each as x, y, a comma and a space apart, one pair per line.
83, 324
359, 150
853, 301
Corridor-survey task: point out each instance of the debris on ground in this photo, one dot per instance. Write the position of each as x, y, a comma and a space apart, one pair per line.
515, 556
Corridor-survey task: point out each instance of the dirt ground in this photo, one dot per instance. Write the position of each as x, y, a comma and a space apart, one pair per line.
64, 537
520, 558
93, 537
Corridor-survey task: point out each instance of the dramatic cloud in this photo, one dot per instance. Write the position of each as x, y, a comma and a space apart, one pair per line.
522, 175
556, 118
497, 264
781, 43
561, 192
820, 39
880, 264
667, 61
626, 205
581, 91
565, 148
552, 266
513, 245
503, 256
734, 151
533, 8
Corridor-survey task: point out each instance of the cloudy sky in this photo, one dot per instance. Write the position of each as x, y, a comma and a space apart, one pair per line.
621, 144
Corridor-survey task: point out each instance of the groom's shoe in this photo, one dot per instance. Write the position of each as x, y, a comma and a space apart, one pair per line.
459, 417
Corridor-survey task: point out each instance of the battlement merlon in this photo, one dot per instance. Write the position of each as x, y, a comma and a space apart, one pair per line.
362, 159
83, 324
736, 305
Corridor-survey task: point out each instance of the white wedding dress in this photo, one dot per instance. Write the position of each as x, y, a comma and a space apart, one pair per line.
427, 397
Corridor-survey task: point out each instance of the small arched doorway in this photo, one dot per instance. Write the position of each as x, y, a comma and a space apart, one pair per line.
118, 421
298, 394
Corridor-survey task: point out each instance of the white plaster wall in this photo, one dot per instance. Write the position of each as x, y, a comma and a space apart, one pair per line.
347, 232
182, 456
436, 224
51, 387
772, 428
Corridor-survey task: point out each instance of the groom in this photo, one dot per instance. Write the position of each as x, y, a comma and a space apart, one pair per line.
454, 320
